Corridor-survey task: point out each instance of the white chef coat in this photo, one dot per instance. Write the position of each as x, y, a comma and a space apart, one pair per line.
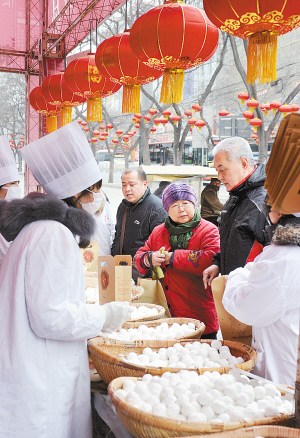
266, 295
4, 245
44, 374
105, 230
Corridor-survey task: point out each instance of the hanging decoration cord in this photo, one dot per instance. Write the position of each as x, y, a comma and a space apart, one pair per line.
91, 26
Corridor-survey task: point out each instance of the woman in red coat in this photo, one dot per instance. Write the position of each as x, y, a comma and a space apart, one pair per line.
190, 244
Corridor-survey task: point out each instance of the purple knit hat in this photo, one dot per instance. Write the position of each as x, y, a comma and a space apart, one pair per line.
177, 192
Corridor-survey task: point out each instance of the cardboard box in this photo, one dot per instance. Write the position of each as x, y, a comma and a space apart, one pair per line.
90, 257
114, 278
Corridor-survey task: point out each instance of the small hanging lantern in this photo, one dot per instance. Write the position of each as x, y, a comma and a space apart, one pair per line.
172, 38
255, 123
265, 107
39, 104
96, 133
125, 138
261, 22
192, 122
166, 114
119, 132
109, 126
115, 140
223, 113
104, 133
252, 104
102, 138
153, 129
131, 133
196, 108
243, 96
285, 109
275, 105
94, 140
157, 121
152, 112
175, 119
137, 125
188, 113
248, 115
147, 118
200, 124
295, 108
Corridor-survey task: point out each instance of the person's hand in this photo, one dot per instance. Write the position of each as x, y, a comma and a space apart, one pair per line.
116, 313
168, 256
158, 258
209, 274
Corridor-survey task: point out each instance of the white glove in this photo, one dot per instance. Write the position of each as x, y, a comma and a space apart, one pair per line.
116, 313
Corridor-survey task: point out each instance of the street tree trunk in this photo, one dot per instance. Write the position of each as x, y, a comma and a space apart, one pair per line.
144, 137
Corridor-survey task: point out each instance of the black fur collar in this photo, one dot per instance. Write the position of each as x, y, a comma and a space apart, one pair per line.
14, 215
287, 232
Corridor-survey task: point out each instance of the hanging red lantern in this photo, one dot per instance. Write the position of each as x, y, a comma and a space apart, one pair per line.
115, 140
188, 113
86, 128
200, 124
39, 104
173, 37
83, 123
259, 21
295, 107
248, 115
57, 92
102, 138
265, 107
137, 125
152, 111
157, 121
116, 61
192, 122
96, 133
147, 118
79, 121
94, 139
84, 79
255, 123
131, 133
125, 138
223, 113
285, 109
275, 105
196, 108
175, 119
166, 114
252, 104
104, 133
243, 96
108, 126
153, 129
119, 132
163, 121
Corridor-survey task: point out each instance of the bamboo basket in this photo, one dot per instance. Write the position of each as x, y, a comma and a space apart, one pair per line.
144, 425
200, 327
256, 431
136, 292
159, 315
109, 364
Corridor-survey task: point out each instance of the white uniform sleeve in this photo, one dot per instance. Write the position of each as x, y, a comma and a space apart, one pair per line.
254, 294
54, 299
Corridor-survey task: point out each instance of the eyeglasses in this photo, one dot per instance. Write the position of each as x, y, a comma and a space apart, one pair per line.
185, 205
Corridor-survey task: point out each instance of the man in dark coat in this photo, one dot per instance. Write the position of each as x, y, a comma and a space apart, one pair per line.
211, 206
243, 222
138, 214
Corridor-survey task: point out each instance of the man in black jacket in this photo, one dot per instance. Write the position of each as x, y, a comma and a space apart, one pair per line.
243, 222
138, 214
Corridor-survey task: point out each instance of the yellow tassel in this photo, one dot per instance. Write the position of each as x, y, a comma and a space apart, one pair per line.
172, 86
51, 124
131, 99
262, 57
94, 110
66, 115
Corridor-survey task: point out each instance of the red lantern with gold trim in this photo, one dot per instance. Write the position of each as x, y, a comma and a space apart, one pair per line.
252, 104
265, 107
255, 123
243, 96
295, 107
259, 21
223, 113
275, 105
200, 124
116, 61
248, 115
39, 104
285, 109
175, 119
173, 37
57, 92
84, 79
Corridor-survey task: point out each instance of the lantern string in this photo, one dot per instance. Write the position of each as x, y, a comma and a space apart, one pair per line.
91, 21
96, 32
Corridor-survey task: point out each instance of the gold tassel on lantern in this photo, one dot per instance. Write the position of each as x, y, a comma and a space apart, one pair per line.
94, 110
66, 115
172, 86
51, 124
262, 57
131, 98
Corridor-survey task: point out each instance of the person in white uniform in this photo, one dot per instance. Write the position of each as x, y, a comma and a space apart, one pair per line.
9, 183
45, 322
265, 294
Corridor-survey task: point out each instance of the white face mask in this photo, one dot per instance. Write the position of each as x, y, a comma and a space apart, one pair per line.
94, 206
13, 192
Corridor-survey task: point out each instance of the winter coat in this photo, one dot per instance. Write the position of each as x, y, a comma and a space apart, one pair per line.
141, 219
210, 203
44, 373
183, 284
105, 229
242, 225
4, 245
265, 294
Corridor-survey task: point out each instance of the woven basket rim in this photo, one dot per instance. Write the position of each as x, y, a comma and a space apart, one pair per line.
254, 431
114, 357
160, 314
180, 426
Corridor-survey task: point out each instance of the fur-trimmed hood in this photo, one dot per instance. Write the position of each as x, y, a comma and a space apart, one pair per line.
287, 231
16, 214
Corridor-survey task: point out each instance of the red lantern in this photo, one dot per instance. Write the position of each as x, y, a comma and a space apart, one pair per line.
252, 104
173, 37
275, 105
152, 111
163, 121
96, 133
131, 133
94, 139
115, 140
137, 125
255, 123
223, 113
39, 103
116, 61
108, 126
200, 124
188, 113
285, 109
125, 138
102, 138
248, 115
84, 79
104, 133
175, 119
157, 121
260, 22
147, 118
119, 132
265, 107
243, 96
153, 129
196, 108
192, 122
295, 107
57, 92
166, 114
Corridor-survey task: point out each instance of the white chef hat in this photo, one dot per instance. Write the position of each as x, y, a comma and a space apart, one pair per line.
8, 167
62, 161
